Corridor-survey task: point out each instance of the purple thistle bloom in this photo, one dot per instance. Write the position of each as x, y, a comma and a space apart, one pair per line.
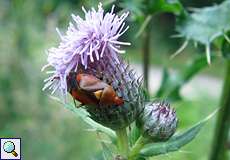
85, 42
91, 46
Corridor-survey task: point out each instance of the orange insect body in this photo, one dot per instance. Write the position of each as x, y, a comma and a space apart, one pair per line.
89, 90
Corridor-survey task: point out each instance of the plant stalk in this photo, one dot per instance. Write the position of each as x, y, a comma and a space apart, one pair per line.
137, 148
219, 148
146, 54
122, 142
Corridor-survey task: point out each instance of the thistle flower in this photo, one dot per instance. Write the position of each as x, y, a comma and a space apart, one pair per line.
86, 40
91, 46
158, 121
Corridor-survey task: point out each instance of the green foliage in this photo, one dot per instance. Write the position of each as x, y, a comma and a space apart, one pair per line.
140, 8
172, 82
225, 48
28, 29
107, 152
136, 7
174, 143
206, 24
143, 11
95, 126
134, 134
152, 149
170, 6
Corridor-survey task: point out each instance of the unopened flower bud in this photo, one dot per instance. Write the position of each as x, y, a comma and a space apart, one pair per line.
158, 121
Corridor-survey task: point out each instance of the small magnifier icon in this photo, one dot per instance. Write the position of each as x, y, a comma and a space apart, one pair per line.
9, 147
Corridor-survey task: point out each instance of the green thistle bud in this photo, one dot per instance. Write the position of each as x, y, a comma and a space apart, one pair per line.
158, 121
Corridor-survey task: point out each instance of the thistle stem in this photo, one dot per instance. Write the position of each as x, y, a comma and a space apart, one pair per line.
219, 149
137, 147
146, 54
122, 142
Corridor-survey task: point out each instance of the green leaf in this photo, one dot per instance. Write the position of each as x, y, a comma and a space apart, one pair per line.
225, 49
205, 24
176, 142
134, 134
143, 11
170, 6
85, 117
107, 3
136, 7
172, 83
107, 153
141, 158
96, 126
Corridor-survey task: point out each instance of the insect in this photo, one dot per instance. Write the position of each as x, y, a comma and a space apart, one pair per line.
90, 90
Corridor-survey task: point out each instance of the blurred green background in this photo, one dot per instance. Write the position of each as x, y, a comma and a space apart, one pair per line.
48, 131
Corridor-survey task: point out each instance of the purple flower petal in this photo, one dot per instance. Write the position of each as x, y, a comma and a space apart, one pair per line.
86, 41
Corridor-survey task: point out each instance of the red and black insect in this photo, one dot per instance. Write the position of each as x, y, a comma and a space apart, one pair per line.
90, 90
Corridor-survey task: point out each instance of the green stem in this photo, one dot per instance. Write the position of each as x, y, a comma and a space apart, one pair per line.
122, 142
219, 149
137, 147
146, 54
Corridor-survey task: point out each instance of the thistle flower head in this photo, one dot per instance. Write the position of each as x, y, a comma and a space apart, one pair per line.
127, 86
91, 46
158, 121
86, 41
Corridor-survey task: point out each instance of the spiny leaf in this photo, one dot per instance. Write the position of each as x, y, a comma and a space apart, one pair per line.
176, 142
85, 117
205, 24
